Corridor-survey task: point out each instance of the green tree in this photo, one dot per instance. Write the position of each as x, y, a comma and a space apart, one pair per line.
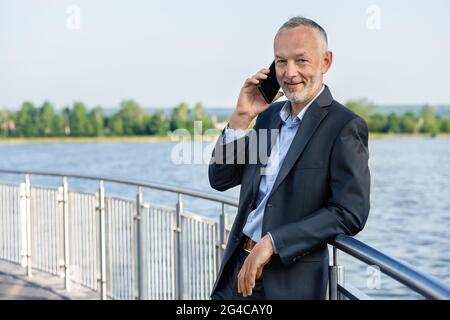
79, 121
377, 123
393, 123
26, 120
97, 121
131, 118
430, 123
199, 114
3, 122
361, 107
158, 124
180, 117
445, 125
408, 123
45, 120
59, 125
116, 125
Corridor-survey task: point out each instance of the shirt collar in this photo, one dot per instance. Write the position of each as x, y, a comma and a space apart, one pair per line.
285, 111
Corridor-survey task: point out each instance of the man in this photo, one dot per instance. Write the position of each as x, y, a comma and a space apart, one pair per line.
318, 184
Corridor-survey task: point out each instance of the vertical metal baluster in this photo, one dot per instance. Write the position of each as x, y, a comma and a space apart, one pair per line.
141, 274
132, 244
157, 255
336, 276
77, 219
66, 235
172, 256
212, 258
28, 224
51, 234
130, 250
123, 248
92, 270
2, 223
165, 239
177, 230
4, 238
102, 241
88, 240
121, 254
8, 226
221, 236
114, 249
188, 232
152, 252
43, 215
59, 213
17, 227
154, 256
197, 264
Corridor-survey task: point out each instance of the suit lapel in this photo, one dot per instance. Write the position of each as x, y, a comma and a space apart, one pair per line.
311, 120
275, 124
313, 117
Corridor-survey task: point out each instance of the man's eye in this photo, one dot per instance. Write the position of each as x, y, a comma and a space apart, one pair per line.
302, 60
281, 61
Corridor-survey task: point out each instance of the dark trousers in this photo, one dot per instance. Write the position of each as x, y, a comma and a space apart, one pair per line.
227, 286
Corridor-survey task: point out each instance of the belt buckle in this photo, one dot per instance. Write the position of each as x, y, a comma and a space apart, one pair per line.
245, 245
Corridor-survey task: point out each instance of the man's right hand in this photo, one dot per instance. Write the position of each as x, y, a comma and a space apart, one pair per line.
250, 102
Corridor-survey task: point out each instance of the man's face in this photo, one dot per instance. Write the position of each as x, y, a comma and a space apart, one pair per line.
300, 62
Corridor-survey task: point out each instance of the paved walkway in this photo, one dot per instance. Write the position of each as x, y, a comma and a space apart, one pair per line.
15, 285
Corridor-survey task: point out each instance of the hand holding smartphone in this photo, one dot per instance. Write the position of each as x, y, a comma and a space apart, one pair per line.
269, 87
263, 85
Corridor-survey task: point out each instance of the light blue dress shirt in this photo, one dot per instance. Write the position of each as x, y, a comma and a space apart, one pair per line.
289, 127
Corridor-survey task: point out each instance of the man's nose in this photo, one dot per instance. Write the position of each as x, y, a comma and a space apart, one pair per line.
291, 70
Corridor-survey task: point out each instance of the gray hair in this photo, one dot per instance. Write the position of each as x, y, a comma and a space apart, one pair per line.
302, 21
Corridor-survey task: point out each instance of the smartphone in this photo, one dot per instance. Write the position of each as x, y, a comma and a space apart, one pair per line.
269, 87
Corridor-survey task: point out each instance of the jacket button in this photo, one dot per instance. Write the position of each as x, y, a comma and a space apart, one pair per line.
269, 205
294, 259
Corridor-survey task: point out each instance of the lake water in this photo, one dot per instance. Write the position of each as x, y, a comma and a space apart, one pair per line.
410, 194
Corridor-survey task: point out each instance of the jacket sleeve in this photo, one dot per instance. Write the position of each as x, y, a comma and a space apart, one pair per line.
227, 162
347, 208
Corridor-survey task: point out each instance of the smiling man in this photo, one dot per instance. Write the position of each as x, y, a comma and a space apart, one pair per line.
319, 186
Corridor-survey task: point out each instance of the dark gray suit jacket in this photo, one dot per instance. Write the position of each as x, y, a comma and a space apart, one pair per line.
322, 190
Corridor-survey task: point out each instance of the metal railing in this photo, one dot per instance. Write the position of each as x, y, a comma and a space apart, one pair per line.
132, 249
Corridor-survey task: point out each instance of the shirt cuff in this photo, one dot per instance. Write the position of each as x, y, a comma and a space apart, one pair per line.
273, 244
230, 134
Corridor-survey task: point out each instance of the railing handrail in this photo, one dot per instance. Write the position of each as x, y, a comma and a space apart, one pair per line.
426, 285
133, 182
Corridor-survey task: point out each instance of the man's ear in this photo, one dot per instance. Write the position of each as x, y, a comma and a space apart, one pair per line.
327, 61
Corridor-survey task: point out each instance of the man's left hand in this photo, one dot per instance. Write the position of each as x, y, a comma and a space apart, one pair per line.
253, 265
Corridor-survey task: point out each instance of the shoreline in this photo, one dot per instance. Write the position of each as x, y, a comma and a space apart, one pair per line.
157, 139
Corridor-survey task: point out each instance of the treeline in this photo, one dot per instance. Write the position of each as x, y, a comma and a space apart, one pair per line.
76, 121
131, 119
427, 121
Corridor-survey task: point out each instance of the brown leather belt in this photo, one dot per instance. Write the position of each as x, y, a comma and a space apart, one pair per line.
249, 245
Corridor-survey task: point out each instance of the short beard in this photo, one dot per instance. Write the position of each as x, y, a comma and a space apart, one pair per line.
304, 95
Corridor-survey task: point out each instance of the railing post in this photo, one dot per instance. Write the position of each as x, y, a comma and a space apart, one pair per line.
28, 223
23, 224
140, 256
178, 260
65, 204
101, 211
336, 276
222, 232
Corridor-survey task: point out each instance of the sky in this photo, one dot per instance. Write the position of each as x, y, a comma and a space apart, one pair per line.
163, 52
